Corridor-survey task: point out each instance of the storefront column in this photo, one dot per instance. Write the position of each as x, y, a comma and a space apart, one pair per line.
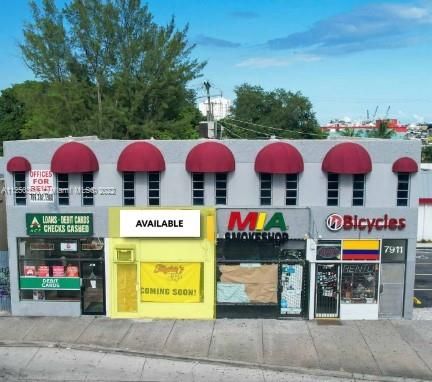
108, 276
409, 279
311, 257
312, 290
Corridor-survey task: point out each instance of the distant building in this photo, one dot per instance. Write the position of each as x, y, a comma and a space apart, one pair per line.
220, 107
336, 127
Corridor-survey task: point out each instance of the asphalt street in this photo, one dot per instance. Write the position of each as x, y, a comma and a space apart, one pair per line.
423, 279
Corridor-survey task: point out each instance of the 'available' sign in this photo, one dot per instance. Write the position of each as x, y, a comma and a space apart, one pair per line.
160, 223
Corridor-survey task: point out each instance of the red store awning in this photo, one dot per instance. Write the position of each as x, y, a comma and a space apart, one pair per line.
405, 164
74, 157
140, 157
279, 158
210, 157
18, 164
347, 158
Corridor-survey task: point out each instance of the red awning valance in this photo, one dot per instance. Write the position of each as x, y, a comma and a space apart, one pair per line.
210, 157
279, 158
74, 157
347, 158
425, 200
405, 164
18, 164
140, 157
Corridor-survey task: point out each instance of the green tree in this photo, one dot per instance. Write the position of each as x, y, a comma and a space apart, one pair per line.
12, 117
107, 68
257, 113
382, 131
426, 154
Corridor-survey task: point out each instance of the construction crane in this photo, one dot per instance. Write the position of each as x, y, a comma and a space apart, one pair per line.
387, 113
375, 113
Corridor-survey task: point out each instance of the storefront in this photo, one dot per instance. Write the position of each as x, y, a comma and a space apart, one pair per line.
61, 261
347, 279
358, 270
162, 263
305, 228
261, 263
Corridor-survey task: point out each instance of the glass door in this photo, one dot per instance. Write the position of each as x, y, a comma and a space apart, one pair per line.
327, 291
92, 287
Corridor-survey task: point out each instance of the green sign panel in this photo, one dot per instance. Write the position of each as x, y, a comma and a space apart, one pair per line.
59, 224
57, 283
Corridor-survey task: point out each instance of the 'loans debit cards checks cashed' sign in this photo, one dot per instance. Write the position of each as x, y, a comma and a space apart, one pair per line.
160, 223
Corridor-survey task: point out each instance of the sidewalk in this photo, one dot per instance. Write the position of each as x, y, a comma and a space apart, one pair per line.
351, 349
424, 245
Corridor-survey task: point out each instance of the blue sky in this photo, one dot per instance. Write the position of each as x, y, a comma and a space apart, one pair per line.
347, 56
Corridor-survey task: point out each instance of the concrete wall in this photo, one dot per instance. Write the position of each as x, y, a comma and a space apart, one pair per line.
243, 185
243, 191
3, 231
424, 222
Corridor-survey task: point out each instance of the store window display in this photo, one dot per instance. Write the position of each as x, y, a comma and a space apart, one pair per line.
53, 269
360, 283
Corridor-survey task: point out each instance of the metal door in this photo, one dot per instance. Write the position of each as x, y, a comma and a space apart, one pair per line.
327, 291
93, 287
392, 290
5, 303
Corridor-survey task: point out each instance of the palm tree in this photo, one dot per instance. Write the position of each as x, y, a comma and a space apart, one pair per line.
350, 132
382, 131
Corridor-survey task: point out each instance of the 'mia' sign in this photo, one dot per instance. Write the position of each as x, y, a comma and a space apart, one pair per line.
256, 226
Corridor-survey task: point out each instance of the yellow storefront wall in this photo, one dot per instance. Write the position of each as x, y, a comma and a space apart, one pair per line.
162, 277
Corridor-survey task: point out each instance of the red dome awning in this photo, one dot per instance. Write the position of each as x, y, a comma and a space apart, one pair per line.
210, 157
72, 158
405, 164
279, 158
18, 164
140, 157
347, 158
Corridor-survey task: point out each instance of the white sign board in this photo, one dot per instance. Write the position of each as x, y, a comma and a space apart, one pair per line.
68, 247
160, 223
41, 186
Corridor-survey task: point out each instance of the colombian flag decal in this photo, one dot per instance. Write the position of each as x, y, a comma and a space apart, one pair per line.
361, 250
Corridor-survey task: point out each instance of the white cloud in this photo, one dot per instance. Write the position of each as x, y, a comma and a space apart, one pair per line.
271, 62
372, 26
418, 118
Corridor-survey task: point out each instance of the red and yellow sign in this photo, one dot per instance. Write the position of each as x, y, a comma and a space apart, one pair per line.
171, 282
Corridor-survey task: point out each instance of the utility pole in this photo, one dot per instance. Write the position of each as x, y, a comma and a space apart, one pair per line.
207, 87
211, 124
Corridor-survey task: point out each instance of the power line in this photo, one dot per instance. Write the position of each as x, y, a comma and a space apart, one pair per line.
266, 135
273, 128
232, 133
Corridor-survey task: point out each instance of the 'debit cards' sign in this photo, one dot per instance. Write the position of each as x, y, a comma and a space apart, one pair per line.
59, 224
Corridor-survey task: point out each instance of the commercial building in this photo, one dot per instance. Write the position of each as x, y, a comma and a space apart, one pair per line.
204, 228
424, 232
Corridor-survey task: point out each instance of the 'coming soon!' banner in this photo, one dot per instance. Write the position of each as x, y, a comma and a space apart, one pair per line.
171, 282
